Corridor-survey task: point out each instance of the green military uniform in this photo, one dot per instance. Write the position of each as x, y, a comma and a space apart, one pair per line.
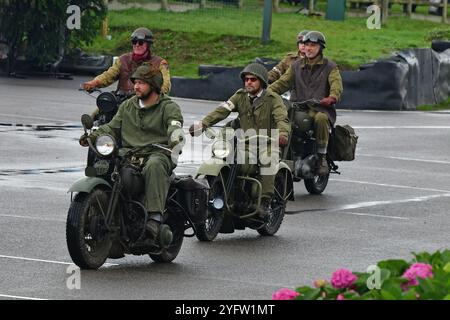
142, 126
266, 112
283, 65
313, 79
114, 72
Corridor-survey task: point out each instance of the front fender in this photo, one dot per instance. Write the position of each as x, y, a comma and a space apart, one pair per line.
212, 167
282, 165
86, 184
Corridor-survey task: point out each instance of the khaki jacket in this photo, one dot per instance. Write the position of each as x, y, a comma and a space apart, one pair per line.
142, 126
282, 66
266, 112
113, 74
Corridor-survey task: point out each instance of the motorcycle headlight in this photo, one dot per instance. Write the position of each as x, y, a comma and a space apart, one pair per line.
221, 149
105, 145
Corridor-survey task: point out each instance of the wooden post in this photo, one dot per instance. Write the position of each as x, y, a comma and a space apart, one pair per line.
311, 6
241, 4
104, 31
410, 8
165, 5
202, 4
276, 5
444, 11
385, 11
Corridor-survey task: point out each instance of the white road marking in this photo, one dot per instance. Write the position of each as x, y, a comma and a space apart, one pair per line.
375, 215
391, 185
388, 202
49, 261
31, 218
19, 297
405, 159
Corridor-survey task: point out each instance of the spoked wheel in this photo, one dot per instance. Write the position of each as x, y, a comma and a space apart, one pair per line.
317, 184
87, 237
209, 230
278, 205
176, 224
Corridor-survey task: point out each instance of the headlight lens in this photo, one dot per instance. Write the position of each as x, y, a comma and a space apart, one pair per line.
221, 149
105, 145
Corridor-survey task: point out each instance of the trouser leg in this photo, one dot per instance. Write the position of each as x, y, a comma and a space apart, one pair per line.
321, 130
157, 171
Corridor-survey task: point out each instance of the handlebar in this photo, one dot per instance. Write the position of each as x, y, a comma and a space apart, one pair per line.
307, 103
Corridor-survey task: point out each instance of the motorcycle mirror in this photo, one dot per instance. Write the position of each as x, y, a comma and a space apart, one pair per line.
87, 121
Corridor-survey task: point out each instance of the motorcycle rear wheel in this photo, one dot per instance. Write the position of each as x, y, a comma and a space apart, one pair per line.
209, 230
171, 252
87, 239
317, 184
278, 205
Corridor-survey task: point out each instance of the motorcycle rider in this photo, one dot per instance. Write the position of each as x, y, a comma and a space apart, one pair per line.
290, 58
315, 77
259, 109
126, 65
148, 117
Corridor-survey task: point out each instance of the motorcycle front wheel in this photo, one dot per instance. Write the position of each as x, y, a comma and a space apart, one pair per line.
87, 237
208, 231
317, 184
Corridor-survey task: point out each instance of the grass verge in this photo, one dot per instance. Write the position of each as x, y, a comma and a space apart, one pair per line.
232, 37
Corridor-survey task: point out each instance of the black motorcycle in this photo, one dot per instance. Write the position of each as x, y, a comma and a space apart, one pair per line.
302, 147
107, 219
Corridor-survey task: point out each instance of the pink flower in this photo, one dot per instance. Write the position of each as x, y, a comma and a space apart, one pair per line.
343, 278
421, 270
340, 297
284, 294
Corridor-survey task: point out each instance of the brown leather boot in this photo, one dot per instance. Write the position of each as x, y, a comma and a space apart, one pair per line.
322, 169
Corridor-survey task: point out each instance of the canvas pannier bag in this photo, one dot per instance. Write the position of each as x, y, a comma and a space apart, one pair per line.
342, 144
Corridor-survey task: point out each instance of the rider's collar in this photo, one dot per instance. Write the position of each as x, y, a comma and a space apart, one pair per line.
258, 95
314, 61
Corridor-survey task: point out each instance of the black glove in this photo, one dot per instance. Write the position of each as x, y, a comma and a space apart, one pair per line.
83, 140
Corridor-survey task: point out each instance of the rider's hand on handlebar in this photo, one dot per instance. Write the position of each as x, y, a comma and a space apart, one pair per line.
90, 85
196, 129
83, 140
328, 101
282, 140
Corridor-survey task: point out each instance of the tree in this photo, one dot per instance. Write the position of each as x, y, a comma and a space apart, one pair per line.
37, 29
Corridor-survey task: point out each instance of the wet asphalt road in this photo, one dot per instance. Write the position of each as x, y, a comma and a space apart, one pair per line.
392, 200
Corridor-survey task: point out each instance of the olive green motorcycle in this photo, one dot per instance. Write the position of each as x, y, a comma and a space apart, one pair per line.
234, 200
107, 218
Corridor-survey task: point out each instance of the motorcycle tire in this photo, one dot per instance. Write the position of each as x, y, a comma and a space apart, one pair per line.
317, 184
278, 205
169, 254
208, 231
87, 239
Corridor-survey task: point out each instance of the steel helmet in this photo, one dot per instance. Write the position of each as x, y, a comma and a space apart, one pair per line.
301, 35
257, 70
142, 34
315, 37
150, 74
